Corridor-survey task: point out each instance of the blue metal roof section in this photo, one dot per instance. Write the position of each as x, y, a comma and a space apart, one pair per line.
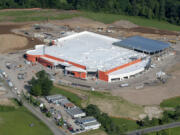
142, 44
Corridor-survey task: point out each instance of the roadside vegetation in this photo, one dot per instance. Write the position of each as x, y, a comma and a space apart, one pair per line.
48, 14
17, 120
170, 131
126, 124
172, 102
94, 132
167, 117
106, 122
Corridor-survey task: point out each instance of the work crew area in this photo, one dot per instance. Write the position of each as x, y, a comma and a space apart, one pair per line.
89, 55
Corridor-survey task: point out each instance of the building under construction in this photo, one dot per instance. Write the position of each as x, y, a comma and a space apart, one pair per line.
88, 54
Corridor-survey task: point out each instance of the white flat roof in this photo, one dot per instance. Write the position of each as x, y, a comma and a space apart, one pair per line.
130, 69
91, 50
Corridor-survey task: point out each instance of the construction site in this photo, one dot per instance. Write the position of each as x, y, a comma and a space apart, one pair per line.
120, 53
138, 64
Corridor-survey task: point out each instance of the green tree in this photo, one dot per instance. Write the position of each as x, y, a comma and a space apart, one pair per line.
42, 85
36, 89
46, 86
177, 112
162, 9
60, 122
165, 117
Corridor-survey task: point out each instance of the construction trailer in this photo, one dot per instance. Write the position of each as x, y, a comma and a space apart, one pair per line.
55, 99
88, 123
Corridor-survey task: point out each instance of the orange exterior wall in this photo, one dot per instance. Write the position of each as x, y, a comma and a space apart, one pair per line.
104, 75
31, 58
123, 66
77, 65
54, 58
45, 62
81, 75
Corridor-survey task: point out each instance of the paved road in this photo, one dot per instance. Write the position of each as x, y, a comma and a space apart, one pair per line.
154, 129
51, 125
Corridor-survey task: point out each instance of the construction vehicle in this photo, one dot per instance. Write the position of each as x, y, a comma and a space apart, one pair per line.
172, 41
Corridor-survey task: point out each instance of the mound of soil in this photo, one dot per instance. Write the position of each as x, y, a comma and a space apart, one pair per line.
147, 30
124, 24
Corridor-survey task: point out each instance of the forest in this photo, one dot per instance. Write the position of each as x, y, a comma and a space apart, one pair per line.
168, 10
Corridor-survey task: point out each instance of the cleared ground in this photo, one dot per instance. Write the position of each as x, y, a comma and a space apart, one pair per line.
6, 102
11, 42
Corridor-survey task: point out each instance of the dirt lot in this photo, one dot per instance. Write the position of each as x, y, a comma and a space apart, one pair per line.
5, 101
11, 42
80, 22
155, 94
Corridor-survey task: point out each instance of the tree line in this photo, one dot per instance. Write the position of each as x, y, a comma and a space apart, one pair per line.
106, 122
168, 10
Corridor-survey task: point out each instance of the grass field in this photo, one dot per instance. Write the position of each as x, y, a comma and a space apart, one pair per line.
170, 131
17, 122
125, 124
71, 96
47, 14
110, 18
172, 102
